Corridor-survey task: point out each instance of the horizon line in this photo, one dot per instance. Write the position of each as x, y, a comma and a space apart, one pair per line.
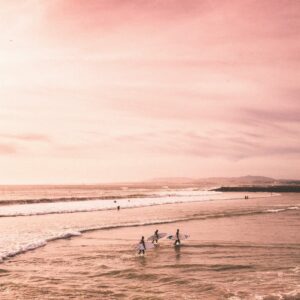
149, 181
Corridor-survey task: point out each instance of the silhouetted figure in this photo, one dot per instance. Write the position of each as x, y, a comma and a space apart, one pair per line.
142, 246
155, 237
118, 207
177, 241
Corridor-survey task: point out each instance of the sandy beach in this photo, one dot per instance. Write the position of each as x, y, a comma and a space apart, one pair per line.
238, 249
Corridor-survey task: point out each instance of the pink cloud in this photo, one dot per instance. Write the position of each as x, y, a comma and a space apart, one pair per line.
139, 89
6, 149
31, 137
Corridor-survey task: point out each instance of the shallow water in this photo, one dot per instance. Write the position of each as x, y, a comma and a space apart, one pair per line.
28, 229
106, 204
237, 250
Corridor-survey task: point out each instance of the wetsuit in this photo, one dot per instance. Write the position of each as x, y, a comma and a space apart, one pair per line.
177, 238
142, 246
155, 237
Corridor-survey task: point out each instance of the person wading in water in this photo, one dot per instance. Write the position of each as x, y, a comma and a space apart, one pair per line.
142, 246
177, 241
155, 237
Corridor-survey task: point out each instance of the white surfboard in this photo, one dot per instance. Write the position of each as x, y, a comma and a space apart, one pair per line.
181, 236
153, 237
147, 244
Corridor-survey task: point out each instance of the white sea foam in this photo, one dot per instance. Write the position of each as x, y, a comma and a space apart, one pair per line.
294, 207
296, 270
37, 244
21, 242
276, 210
23, 248
32, 245
96, 205
292, 295
28, 246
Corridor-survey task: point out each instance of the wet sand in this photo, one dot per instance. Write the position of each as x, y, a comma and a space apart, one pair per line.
236, 250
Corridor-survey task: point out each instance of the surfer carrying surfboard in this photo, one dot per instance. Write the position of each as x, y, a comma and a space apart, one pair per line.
142, 246
177, 237
155, 237
177, 241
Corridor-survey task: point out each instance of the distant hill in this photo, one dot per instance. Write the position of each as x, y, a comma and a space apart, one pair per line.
206, 183
173, 179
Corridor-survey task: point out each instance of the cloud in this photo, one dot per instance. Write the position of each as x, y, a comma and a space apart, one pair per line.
7, 149
273, 114
229, 145
173, 82
30, 137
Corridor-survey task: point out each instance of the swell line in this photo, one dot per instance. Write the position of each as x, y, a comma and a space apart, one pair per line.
112, 206
68, 234
75, 199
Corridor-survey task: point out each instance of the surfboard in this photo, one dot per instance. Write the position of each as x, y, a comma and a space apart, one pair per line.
181, 236
153, 237
147, 244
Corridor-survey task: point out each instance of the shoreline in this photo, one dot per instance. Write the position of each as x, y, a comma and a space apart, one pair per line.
164, 219
232, 257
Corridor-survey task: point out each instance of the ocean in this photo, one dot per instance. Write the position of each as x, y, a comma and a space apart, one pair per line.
74, 244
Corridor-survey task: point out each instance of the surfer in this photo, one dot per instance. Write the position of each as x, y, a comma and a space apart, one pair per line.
155, 237
177, 241
142, 246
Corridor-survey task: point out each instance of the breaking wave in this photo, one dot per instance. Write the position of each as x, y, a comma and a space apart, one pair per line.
72, 233
109, 204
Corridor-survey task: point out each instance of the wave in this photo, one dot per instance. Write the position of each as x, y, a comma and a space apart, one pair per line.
174, 193
69, 234
74, 199
38, 244
292, 295
99, 205
243, 213
276, 210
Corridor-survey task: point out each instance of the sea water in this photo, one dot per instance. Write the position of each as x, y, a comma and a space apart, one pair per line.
236, 246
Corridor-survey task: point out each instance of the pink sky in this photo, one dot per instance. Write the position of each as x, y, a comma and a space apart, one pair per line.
120, 90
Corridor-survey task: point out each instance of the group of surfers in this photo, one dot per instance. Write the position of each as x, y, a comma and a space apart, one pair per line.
142, 245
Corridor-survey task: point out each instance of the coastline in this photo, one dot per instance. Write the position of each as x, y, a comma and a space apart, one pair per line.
233, 251
79, 222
